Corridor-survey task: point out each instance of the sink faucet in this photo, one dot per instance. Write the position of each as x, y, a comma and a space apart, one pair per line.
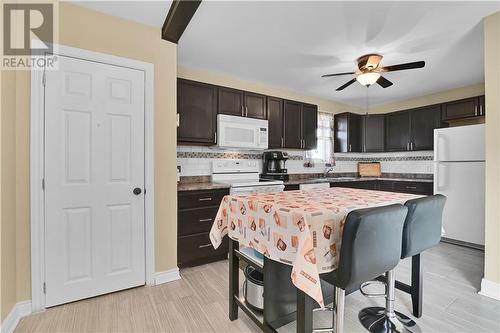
327, 171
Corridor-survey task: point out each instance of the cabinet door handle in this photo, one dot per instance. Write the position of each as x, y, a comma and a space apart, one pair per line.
246, 111
480, 110
350, 147
242, 111
215, 137
411, 187
203, 246
408, 146
205, 199
475, 110
204, 220
282, 142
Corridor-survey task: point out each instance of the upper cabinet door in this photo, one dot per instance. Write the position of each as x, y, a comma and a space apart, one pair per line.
255, 105
464, 108
309, 126
231, 102
292, 114
197, 109
275, 119
347, 132
373, 133
423, 121
397, 131
482, 105
354, 133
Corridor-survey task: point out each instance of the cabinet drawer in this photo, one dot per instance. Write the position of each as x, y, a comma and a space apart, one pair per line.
413, 187
197, 249
198, 199
194, 221
291, 187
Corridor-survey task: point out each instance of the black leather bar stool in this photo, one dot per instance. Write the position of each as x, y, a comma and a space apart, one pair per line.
421, 231
371, 245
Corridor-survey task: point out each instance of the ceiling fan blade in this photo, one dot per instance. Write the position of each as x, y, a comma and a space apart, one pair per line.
346, 85
383, 82
402, 67
338, 74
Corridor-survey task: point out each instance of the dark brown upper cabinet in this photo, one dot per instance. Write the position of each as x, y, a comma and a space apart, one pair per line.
347, 132
292, 116
231, 102
197, 109
464, 108
242, 103
309, 126
397, 131
423, 122
373, 133
255, 105
412, 130
275, 122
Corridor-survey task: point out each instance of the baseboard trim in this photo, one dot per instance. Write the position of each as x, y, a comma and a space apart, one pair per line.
167, 276
490, 289
20, 309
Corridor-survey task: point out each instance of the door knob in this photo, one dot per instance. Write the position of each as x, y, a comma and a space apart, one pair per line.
137, 190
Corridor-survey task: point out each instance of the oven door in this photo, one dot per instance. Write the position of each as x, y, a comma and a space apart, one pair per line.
239, 132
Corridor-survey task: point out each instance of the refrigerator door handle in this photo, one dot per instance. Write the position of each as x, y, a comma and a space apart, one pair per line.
440, 181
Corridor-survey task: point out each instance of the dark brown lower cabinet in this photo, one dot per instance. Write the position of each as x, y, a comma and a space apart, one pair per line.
195, 216
411, 187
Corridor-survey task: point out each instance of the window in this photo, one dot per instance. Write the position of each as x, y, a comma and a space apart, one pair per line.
324, 150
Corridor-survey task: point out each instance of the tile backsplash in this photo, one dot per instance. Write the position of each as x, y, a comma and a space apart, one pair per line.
197, 161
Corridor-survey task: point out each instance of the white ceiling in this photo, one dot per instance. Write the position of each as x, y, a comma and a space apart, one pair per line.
291, 44
146, 12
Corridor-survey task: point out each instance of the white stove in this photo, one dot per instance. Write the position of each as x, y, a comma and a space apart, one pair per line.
243, 177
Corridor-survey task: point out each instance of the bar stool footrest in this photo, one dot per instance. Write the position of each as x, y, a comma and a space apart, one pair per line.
372, 295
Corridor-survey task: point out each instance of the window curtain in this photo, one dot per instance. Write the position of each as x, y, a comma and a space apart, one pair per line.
324, 151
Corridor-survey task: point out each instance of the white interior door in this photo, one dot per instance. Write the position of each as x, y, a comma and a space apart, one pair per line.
94, 158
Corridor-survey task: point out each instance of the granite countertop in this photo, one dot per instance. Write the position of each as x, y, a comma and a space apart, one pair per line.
352, 179
200, 186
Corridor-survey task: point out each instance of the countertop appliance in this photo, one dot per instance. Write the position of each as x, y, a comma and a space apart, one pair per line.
459, 164
241, 132
274, 165
253, 288
243, 177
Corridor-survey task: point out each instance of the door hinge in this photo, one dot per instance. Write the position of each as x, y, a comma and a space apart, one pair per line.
144, 191
44, 288
43, 184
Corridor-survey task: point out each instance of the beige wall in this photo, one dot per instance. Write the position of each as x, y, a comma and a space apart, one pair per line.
8, 186
93, 31
228, 81
492, 83
436, 98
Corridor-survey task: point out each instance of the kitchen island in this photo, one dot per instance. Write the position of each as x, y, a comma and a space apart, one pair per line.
300, 229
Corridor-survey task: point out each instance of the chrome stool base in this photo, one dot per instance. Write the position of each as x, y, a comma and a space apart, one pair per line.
375, 320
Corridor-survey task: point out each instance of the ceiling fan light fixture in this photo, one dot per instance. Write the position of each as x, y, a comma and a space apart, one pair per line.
367, 79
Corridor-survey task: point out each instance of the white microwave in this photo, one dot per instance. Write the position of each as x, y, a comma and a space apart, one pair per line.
241, 132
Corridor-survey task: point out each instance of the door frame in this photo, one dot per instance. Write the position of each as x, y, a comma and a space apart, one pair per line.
37, 153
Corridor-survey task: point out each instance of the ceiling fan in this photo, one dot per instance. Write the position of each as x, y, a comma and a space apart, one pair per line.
369, 71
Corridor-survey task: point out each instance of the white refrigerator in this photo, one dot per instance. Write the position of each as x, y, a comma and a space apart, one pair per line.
459, 162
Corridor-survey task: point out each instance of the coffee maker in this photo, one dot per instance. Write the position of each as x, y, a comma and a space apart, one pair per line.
274, 165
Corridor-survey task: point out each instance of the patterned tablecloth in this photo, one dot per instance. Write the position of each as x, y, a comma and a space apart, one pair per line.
298, 228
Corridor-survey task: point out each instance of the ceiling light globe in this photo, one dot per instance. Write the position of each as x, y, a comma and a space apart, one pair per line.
367, 79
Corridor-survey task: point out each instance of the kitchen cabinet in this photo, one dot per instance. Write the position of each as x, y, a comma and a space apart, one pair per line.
412, 130
292, 116
309, 126
401, 186
347, 132
196, 211
291, 187
300, 123
231, 102
197, 112
423, 121
255, 105
464, 108
397, 131
373, 133
241, 103
275, 122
